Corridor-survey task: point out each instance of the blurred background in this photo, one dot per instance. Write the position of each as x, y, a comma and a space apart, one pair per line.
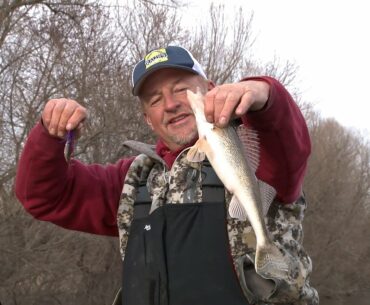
86, 50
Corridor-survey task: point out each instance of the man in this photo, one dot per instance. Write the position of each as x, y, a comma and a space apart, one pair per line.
179, 246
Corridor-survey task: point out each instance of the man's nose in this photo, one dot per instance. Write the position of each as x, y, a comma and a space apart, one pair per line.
171, 103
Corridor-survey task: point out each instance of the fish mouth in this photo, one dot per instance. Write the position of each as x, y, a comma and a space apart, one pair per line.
179, 119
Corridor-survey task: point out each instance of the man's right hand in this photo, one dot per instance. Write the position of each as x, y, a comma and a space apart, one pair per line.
62, 115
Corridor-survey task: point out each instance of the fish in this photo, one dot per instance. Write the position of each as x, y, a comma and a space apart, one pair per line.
235, 166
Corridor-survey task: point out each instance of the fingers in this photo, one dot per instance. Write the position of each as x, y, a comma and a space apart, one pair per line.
245, 104
227, 101
221, 102
209, 104
226, 108
61, 115
58, 116
47, 113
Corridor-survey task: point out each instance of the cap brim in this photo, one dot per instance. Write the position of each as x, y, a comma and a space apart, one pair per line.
135, 90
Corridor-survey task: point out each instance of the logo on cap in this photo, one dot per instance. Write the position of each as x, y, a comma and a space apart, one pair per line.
155, 57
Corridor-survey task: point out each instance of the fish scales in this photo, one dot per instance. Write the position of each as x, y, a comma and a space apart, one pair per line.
225, 152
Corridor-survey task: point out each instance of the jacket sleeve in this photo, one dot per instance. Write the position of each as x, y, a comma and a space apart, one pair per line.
284, 142
74, 196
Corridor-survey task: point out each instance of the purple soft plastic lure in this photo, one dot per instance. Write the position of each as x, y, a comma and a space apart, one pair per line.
68, 150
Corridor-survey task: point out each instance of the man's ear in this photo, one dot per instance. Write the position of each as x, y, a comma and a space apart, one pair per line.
148, 121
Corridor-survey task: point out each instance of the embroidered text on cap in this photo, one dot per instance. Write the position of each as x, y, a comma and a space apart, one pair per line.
156, 56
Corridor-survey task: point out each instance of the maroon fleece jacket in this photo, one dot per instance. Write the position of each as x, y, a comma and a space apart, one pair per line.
85, 197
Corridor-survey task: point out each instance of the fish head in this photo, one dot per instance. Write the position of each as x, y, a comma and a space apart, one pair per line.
196, 101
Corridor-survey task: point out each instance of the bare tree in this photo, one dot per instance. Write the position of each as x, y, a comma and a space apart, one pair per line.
85, 50
46, 53
338, 189
220, 47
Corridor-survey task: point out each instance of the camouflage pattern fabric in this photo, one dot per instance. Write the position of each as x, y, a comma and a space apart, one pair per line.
183, 184
137, 172
284, 222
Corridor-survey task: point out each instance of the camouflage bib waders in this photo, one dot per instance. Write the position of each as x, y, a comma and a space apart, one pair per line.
180, 247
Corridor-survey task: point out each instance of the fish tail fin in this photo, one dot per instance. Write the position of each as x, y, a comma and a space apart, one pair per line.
271, 263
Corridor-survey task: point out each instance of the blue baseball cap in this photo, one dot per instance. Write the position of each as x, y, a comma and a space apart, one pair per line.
169, 57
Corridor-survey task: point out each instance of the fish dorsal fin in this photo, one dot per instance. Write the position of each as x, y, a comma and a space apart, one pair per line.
249, 139
236, 209
250, 143
268, 194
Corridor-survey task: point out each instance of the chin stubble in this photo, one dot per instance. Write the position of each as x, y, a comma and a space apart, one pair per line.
183, 139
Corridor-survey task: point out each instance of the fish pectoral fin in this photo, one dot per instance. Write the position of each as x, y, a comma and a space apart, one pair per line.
195, 154
236, 210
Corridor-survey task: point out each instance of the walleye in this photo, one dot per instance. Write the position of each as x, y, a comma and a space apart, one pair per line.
225, 152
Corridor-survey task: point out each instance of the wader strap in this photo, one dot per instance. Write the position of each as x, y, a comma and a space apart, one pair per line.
143, 202
212, 187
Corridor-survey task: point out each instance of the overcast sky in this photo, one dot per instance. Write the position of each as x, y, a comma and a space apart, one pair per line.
328, 40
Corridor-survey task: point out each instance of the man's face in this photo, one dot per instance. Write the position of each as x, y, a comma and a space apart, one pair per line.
166, 107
